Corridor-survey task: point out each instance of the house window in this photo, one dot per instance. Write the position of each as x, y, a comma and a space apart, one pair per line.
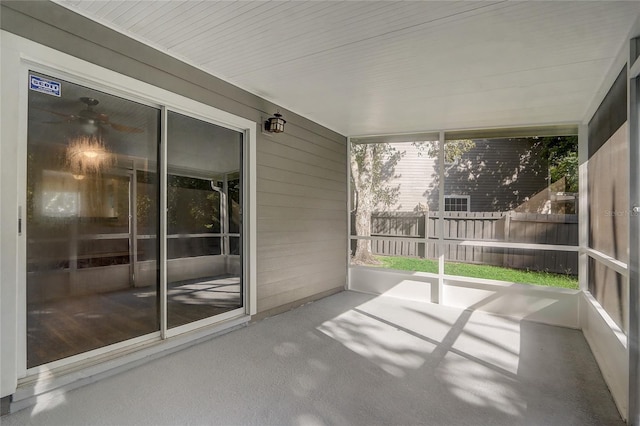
456, 203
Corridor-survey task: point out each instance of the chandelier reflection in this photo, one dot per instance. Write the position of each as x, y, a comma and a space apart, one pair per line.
87, 155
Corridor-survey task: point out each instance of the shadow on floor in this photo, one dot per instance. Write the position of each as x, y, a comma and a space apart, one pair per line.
356, 359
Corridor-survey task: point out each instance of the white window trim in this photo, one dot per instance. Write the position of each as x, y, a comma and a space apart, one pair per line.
467, 197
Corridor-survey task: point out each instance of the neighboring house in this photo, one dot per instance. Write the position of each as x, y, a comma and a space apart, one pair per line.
495, 175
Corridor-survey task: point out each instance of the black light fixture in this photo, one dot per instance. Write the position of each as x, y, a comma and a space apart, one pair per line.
275, 124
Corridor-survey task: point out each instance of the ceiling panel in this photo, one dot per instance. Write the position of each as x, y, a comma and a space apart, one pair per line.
372, 67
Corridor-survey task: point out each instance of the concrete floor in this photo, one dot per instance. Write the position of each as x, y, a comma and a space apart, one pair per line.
355, 359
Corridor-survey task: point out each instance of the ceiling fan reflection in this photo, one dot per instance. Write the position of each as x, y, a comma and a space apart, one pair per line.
89, 117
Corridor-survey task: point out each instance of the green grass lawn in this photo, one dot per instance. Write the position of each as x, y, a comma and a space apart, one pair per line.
481, 271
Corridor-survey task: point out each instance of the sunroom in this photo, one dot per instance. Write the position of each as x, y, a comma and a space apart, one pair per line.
456, 158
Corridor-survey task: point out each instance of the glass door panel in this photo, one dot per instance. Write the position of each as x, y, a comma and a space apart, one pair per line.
90, 283
203, 219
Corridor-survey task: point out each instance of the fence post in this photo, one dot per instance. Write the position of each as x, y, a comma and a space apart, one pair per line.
507, 225
422, 232
507, 232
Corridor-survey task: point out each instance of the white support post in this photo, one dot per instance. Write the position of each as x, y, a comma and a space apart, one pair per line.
441, 147
347, 284
634, 252
583, 207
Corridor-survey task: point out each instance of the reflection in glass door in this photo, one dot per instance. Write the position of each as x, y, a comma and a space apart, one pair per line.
203, 220
92, 195
92, 221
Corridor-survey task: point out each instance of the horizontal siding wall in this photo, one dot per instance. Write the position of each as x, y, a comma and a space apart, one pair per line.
498, 175
416, 177
301, 174
301, 213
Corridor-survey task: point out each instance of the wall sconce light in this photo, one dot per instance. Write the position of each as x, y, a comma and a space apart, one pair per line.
275, 124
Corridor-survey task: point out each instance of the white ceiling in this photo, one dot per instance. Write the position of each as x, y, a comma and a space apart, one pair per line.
375, 67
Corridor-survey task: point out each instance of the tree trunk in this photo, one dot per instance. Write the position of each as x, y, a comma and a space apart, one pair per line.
363, 183
363, 254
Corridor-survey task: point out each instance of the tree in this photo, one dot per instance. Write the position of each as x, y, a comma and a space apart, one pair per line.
562, 155
372, 165
453, 149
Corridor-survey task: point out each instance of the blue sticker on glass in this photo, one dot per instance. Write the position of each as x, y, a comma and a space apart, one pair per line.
43, 85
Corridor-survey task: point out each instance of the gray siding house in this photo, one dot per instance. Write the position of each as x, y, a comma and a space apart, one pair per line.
495, 175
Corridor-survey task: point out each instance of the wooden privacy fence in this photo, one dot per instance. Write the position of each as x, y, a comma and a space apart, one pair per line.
556, 229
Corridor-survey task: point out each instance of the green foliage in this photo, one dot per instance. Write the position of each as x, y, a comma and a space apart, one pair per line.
562, 154
482, 271
192, 206
409, 264
144, 205
453, 149
566, 167
541, 278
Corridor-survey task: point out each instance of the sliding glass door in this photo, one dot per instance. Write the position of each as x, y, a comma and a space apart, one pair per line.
93, 215
85, 150
203, 219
